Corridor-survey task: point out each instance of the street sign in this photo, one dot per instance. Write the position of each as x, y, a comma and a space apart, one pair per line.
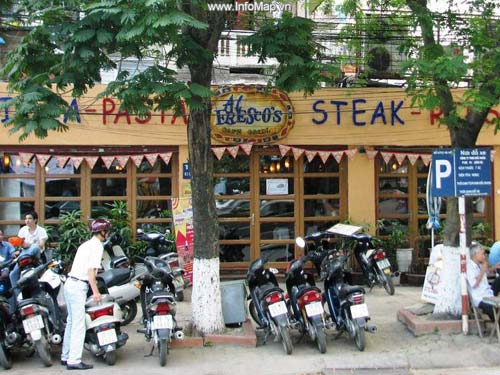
186, 171
461, 172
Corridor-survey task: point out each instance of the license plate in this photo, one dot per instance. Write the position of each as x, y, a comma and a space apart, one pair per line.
383, 264
33, 324
107, 337
162, 322
278, 308
359, 311
315, 308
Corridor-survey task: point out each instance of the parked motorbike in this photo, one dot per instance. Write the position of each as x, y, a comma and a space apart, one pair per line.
103, 326
8, 331
346, 303
159, 306
306, 302
113, 254
267, 306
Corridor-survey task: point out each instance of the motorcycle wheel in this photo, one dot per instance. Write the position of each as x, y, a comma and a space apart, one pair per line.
163, 352
5, 360
386, 281
320, 338
110, 358
358, 334
254, 314
42, 347
285, 339
129, 311
180, 296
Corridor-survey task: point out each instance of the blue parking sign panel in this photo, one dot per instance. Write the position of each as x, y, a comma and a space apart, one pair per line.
461, 172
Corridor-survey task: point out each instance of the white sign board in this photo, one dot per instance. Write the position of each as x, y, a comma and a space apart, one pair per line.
345, 229
430, 290
276, 186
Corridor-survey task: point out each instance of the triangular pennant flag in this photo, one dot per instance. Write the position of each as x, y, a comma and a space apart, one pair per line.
310, 155
233, 150
284, 149
371, 154
25, 157
324, 155
338, 155
297, 152
412, 158
218, 152
122, 160
61, 160
91, 160
76, 160
43, 159
166, 156
387, 156
492, 155
426, 158
400, 157
108, 160
151, 158
350, 153
247, 147
137, 159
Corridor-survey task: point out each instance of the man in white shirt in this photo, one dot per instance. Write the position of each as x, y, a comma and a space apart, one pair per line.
477, 278
82, 275
34, 237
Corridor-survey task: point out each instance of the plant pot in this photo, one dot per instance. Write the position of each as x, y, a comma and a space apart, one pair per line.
403, 258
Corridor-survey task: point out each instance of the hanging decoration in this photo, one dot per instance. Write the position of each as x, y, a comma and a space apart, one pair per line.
151, 158
26, 157
91, 160
218, 152
246, 147
310, 155
61, 160
137, 159
166, 156
108, 160
76, 160
233, 151
284, 149
43, 159
297, 152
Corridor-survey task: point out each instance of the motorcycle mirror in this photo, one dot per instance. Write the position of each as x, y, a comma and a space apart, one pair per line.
273, 270
300, 242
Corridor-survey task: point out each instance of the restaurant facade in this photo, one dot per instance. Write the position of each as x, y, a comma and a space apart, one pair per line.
285, 165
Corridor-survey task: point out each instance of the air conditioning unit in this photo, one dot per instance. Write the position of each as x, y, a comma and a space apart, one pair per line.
384, 37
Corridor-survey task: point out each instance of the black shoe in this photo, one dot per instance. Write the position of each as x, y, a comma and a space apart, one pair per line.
63, 363
79, 366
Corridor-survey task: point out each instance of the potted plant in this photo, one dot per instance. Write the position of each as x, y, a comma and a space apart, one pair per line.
396, 244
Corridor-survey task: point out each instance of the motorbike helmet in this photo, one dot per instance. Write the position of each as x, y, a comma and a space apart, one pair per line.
99, 225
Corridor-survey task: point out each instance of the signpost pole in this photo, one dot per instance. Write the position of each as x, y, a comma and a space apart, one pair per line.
463, 266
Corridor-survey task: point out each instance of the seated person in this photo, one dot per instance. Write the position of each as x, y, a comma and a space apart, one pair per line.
494, 261
477, 269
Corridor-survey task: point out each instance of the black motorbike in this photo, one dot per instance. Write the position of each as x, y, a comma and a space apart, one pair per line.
306, 302
159, 306
158, 243
268, 305
8, 328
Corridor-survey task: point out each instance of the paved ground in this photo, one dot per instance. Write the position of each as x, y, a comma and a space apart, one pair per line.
392, 350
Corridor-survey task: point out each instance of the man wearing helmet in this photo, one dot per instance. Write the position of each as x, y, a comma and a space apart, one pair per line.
82, 275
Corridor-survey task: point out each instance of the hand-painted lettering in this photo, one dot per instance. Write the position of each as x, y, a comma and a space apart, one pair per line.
356, 112
394, 112
324, 113
379, 112
73, 107
338, 104
107, 110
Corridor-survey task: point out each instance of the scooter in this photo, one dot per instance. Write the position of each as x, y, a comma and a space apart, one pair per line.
159, 306
8, 331
113, 255
103, 323
267, 306
306, 302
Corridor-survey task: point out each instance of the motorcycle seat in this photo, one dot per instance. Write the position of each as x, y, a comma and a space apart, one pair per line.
270, 290
28, 301
115, 276
306, 288
348, 289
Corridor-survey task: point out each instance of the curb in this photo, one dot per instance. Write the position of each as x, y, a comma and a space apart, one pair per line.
421, 326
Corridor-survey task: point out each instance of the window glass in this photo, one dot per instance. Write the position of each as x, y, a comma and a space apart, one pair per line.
277, 231
159, 167
317, 166
13, 164
233, 208
277, 252
228, 164
393, 206
231, 185
234, 231
234, 253
17, 187
53, 210
15, 210
321, 185
277, 208
275, 164
322, 207
64, 187
151, 186
115, 168
102, 187
153, 209
316, 226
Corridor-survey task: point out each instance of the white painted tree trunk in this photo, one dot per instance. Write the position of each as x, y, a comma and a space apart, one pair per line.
449, 300
206, 301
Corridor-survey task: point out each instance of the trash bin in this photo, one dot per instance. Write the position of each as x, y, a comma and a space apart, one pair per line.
233, 295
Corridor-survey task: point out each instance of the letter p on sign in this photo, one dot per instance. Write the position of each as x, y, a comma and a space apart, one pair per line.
443, 170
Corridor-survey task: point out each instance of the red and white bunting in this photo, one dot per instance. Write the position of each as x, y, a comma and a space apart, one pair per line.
233, 151
310, 155
91, 160
324, 155
218, 152
166, 156
122, 160
43, 159
412, 158
426, 158
371, 154
61, 160
76, 160
297, 152
247, 148
25, 157
108, 160
284, 149
350, 153
387, 156
137, 159
338, 155
400, 157
151, 158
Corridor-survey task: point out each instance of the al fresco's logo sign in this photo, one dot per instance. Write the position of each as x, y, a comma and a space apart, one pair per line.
244, 114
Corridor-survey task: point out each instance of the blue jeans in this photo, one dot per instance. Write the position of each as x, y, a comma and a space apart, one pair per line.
15, 275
